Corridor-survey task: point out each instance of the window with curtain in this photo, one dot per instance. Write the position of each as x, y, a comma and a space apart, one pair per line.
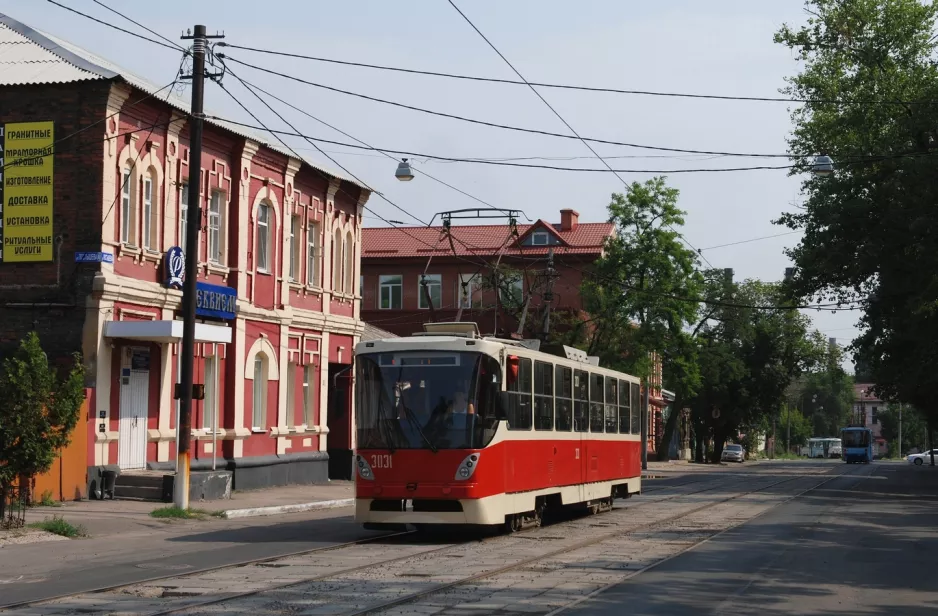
291, 394
216, 223
127, 207
294, 262
262, 248
308, 375
210, 403
260, 392
349, 258
183, 215
150, 212
312, 255
337, 262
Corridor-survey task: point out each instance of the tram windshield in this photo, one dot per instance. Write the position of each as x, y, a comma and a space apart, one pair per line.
426, 400
855, 438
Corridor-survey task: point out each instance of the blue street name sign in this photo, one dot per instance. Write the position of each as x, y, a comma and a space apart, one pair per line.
216, 301
94, 257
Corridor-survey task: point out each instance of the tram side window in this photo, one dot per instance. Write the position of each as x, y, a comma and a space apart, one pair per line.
612, 408
543, 396
519, 388
581, 404
636, 427
596, 403
564, 383
624, 419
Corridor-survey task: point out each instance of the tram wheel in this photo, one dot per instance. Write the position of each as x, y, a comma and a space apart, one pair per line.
513, 523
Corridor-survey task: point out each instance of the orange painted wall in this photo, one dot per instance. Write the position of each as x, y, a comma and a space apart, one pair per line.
67, 479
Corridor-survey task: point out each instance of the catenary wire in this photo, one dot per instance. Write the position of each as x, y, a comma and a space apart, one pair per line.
507, 163
110, 25
364, 145
495, 124
754, 239
140, 25
561, 118
768, 99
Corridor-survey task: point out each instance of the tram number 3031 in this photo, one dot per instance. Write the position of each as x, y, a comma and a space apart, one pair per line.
381, 461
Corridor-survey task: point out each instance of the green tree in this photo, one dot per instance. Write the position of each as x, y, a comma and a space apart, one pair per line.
748, 358
914, 430
801, 428
868, 229
38, 411
642, 294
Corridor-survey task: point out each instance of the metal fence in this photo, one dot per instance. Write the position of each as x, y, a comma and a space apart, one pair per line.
13, 504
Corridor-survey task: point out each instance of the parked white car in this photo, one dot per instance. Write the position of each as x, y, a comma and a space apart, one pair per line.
919, 459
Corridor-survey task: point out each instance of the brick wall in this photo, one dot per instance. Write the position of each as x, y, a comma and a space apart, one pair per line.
49, 297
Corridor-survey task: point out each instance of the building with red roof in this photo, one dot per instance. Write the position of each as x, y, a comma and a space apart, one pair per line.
412, 275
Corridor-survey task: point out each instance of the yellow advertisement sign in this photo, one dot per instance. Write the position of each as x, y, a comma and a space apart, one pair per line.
26, 192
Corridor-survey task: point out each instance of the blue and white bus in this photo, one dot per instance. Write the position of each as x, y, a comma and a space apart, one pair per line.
857, 444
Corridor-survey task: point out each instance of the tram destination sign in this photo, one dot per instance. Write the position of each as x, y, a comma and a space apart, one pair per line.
26, 191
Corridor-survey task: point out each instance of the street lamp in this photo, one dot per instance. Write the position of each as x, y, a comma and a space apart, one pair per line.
823, 166
404, 172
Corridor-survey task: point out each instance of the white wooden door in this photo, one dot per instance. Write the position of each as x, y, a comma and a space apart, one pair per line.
135, 382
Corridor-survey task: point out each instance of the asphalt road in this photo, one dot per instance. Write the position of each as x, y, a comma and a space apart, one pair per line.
36, 571
860, 546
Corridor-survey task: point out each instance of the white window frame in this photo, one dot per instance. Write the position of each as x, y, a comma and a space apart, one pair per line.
434, 282
308, 401
469, 280
216, 222
540, 235
517, 284
148, 218
210, 403
294, 264
259, 410
183, 216
385, 281
262, 249
313, 262
127, 207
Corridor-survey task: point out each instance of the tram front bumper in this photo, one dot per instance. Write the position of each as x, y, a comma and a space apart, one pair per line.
484, 511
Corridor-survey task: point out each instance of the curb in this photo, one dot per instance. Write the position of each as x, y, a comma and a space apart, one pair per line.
282, 509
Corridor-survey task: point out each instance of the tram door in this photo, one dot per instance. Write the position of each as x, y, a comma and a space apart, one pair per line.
339, 421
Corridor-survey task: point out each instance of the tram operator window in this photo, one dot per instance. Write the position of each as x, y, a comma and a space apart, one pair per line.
624, 419
543, 396
518, 386
612, 408
597, 414
564, 383
581, 403
635, 399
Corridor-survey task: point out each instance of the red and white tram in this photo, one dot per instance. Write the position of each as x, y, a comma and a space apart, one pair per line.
453, 428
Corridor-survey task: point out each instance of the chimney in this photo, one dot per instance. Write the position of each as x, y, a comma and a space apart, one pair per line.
569, 219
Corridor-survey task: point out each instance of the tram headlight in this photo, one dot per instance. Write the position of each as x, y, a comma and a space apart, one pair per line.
467, 467
364, 470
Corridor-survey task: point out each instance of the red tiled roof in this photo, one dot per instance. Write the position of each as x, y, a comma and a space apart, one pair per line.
384, 242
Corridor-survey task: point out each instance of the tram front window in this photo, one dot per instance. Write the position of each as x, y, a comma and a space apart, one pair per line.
426, 400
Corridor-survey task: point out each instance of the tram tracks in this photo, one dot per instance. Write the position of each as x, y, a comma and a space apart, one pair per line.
191, 604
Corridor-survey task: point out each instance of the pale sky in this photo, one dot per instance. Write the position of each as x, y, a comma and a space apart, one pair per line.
717, 47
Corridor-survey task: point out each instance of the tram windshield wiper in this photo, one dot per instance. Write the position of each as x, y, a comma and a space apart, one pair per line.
386, 435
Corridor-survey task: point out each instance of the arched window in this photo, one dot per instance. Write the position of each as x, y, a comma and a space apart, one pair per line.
262, 248
128, 214
259, 415
337, 262
349, 258
151, 210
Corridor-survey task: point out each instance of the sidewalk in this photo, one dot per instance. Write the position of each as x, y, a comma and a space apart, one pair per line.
119, 516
